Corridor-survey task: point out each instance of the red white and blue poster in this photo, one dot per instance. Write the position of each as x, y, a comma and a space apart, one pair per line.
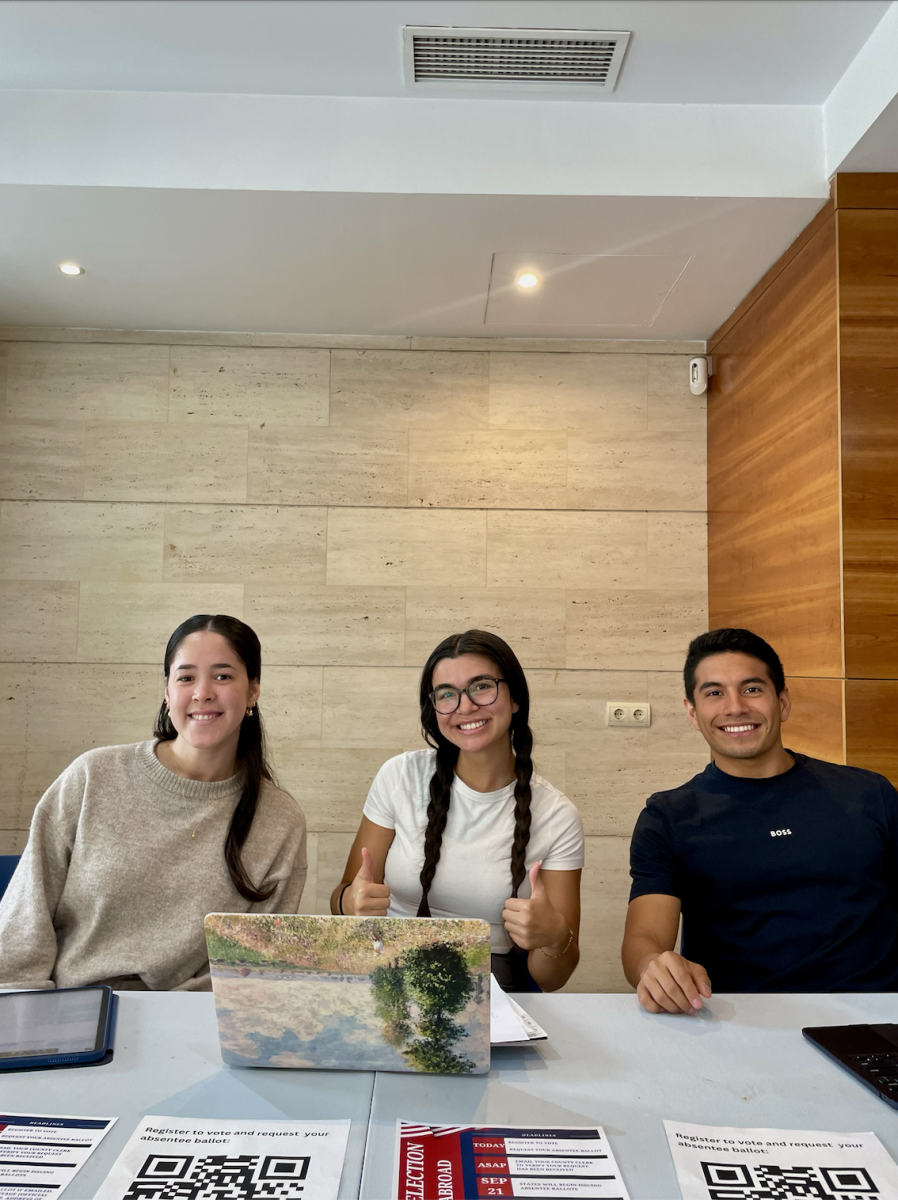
467, 1162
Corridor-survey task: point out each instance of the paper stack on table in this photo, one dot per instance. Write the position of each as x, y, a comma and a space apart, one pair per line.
280, 1160
509, 1024
714, 1162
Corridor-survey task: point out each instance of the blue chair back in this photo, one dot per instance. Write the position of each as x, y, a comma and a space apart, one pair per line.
8, 863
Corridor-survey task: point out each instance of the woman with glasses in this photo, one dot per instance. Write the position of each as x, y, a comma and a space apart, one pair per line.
466, 829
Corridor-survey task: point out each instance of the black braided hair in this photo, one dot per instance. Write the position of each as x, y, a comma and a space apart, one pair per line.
250, 746
475, 641
522, 744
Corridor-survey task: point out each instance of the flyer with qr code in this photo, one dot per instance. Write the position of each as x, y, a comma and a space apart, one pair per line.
465, 1162
180, 1158
40, 1154
779, 1164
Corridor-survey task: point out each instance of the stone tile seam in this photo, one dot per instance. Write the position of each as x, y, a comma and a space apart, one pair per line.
350, 507
220, 340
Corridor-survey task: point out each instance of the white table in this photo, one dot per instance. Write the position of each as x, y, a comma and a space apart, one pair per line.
741, 1062
167, 1062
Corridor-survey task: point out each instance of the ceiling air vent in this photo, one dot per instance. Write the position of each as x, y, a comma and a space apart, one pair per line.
533, 59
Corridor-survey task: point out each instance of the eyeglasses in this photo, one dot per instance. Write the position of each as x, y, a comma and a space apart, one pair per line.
480, 691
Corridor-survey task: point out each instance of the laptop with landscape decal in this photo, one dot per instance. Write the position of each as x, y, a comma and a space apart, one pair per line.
351, 993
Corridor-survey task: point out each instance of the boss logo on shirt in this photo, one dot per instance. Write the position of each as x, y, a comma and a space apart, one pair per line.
780, 832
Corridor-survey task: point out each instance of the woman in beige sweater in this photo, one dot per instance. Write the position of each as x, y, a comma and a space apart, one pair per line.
133, 845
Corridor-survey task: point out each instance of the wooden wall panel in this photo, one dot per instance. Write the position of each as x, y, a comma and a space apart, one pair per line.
868, 284
866, 189
816, 725
872, 725
773, 463
803, 473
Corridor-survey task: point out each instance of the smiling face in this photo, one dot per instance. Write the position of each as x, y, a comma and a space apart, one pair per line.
471, 727
736, 708
208, 691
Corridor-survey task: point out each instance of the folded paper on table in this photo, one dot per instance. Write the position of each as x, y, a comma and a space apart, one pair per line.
510, 1025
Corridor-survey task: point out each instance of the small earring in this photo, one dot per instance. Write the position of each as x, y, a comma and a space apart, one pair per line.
250, 711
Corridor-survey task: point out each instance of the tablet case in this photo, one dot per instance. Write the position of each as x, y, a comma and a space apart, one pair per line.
64, 1062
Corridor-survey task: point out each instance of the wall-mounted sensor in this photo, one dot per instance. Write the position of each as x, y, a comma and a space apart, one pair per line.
698, 376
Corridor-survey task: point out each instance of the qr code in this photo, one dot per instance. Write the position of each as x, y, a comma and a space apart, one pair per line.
766, 1181
220, 1177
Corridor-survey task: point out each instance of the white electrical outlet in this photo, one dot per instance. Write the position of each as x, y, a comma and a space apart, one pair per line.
627, 714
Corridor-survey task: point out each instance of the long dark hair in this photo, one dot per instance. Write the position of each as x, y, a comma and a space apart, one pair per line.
476, 641
250, 745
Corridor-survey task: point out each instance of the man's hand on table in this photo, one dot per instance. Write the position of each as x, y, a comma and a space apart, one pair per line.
670, 983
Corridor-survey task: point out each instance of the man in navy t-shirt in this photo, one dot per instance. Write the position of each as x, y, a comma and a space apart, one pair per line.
784, 867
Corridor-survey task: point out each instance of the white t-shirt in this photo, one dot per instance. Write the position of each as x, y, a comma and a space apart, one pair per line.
473, 876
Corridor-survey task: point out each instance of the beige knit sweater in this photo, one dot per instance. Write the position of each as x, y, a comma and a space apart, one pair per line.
124, 860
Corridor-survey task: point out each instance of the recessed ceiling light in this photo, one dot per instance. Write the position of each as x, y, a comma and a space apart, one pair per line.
70, 268
527, 280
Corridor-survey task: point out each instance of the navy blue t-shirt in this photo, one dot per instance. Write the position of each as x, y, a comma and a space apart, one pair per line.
788, 884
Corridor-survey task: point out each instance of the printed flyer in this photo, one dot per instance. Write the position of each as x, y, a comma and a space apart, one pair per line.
39, 1155
275, 1160
465, 1162
751, 1164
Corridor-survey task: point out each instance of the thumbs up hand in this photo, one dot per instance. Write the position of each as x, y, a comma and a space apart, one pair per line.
364, 897
534, 922
366, 870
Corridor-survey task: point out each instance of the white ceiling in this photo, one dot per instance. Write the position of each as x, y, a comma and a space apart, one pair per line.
682, 51
356, 263
603, 289
247, 165
877, 150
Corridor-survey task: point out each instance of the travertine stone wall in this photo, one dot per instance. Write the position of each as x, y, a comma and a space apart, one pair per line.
355, 500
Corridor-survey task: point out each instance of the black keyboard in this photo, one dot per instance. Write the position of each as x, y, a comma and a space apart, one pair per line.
879, 1069
868, 1052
